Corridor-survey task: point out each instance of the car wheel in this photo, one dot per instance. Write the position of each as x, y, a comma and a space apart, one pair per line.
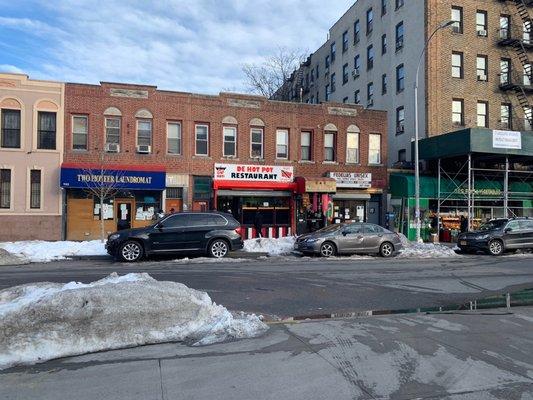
218, 248
131, 251
328, 249
386, 249
496, 247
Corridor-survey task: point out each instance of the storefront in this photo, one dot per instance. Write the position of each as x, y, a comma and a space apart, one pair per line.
314, 207
247, 190
132, 197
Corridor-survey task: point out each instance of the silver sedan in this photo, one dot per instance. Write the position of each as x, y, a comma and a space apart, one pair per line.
349, 238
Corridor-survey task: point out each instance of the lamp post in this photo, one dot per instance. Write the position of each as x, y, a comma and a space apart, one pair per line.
417, 169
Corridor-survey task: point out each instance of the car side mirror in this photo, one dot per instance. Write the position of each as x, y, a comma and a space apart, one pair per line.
508, 230
159, 226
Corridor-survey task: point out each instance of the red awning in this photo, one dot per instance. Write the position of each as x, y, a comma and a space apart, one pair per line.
234, 184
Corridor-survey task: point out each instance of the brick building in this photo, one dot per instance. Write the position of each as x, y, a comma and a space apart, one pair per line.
300, 164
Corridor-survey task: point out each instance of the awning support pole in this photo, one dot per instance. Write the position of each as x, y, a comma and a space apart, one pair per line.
469, 212
506, 188
438, 200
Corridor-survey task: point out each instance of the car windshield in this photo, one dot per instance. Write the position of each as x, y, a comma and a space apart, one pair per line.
496, 224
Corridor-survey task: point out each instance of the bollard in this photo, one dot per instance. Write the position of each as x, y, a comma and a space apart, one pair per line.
508, 300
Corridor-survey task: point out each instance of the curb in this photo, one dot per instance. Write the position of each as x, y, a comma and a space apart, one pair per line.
251, 256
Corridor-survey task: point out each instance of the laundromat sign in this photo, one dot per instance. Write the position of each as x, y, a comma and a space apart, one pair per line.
119, 179
352, 179
260, 173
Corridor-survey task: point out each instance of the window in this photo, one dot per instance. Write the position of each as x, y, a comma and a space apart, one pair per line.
481, 23
383, 7
370, 57
356, 31
526, 29
345, 100
352, 148
481, 68
457, 112
313, 75
317, 71
357, 63
357, 97
79, 132
399, 36
505, 26
345, 74
374, 148
345, 42
144, 132
399, 3
256, 143
46, 130
327, 92
329, 146
528, 116
327, 62
400, 78
482, 110
305, 146
370, 93
369, 21
505, 71
112, 130
383, 44
332, 82
10, 129
312, 100
35, 188
402, 155
384, 84
505, 116
282, 144
457, 18
202, 140
173, 138
333, 51
5, 188
400, 120
230, 141
527, 74
457, 65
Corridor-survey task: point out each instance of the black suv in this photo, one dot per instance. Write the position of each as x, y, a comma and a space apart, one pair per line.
211, 233
499, 235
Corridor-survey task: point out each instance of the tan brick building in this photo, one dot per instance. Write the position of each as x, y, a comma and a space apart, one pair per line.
172, 150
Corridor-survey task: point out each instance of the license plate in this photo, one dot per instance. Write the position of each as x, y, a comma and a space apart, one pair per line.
463, 242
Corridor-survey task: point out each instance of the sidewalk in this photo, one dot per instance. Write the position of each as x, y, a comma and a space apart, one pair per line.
467, 355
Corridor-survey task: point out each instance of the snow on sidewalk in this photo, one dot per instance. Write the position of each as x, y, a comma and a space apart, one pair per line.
43, 251
425, 250
272, 246
43, 321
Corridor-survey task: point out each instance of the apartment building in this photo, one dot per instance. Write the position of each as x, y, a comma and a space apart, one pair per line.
31, 151
475, 73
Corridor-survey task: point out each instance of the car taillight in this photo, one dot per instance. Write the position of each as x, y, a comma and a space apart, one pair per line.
238, 230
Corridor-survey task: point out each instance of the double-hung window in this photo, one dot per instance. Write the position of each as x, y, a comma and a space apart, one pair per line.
356, 31
230, 141
482, 114
374, 148
333, 51
370, 57
505, 26
352, 148
10, 124
457, 18
305, 146
357, 97
369, 21
173, 138
345, 74
282, 144
400, 78
527, 74
35, 188
526, 32
256, 143
458, 112
457, 65
112, 130
370, 94
5, 188
46, 130
357, 64
528, 118
481, 23
80, 132
383, 44
329, 146
399, 36
505, 71
481, 68
384, 84
345, 42
333, 86
400, 120
144, 132
506, 116
201, 139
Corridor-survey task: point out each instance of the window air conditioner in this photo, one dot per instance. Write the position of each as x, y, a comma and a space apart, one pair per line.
400, 129
355, 73
399, 44
112, 147
482, 32
482, 77
370, 103
144, 149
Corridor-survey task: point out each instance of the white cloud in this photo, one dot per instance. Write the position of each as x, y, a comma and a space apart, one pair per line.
196, 46
10, 68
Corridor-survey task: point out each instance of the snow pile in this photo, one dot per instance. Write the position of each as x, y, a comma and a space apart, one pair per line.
272, 246
42, 251
42, 321
424, 250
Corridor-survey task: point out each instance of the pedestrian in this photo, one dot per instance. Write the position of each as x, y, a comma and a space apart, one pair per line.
464, 224
258, 223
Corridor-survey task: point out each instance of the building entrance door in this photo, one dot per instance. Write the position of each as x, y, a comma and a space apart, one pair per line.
124, 216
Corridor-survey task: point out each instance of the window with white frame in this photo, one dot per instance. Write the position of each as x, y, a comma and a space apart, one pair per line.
80, 132
458, 112
256, 143
527, 74
5, 188
481, 68
230, 141
505, 26
173, 138
374, 148
457, 65
482, 110
329, 146
201, 140
144, 132
457, 18
282, 144
505, 116
352, 148
112, 130
35, 188
10, 123
505, 71
528, 116
526, 32
481, 23
305, 146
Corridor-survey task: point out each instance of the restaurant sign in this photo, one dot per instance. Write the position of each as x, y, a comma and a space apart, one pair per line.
258, 173
356, 180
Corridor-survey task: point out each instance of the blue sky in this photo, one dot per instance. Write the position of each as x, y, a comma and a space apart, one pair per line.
194, 45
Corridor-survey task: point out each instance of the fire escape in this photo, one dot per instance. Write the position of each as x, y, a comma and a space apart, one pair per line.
510, 81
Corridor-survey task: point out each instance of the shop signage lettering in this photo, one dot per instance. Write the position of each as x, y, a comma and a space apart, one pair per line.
120, 179
265, 173
362, 180
506, 140
480, 192
114, 179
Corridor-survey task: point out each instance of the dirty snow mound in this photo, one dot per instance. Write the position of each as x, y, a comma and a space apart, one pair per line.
42, 321
42, 251
424, 250
272, 246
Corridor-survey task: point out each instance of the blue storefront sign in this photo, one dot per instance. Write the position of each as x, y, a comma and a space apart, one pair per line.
81, 178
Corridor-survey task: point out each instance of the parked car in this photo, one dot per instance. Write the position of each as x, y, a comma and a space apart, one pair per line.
498, 235
211, 233
349, 238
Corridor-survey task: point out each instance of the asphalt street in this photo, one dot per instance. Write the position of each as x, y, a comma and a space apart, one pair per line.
283, 287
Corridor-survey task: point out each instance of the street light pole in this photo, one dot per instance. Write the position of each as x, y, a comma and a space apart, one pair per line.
417, 169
